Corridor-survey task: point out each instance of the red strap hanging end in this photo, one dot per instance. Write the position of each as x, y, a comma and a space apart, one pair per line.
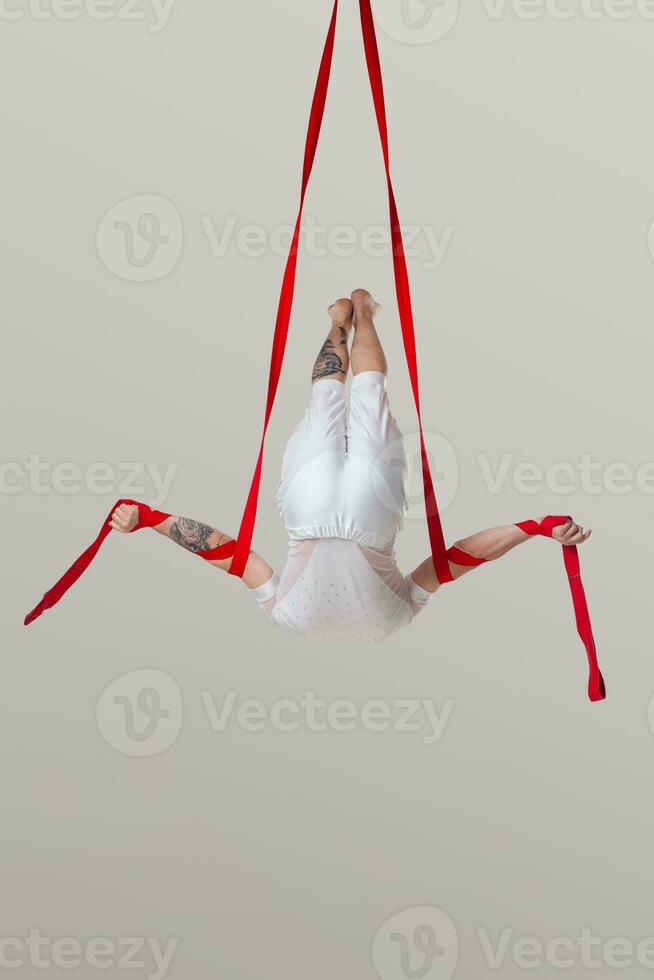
596, 686
147, 518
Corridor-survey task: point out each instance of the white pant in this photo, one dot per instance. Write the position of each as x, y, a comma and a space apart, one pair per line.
346, 477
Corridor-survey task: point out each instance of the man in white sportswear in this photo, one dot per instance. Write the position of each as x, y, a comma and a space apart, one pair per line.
343, 497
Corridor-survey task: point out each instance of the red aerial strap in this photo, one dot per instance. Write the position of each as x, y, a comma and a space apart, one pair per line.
246, 531
147, 518
285, 305
403, 291
596, 686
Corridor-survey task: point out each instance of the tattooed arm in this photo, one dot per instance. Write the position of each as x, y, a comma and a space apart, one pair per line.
196, 537
193, 535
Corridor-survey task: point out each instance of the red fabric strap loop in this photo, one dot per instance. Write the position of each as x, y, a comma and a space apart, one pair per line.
285, 304
545, 528
459, 557
596, 685
147, 518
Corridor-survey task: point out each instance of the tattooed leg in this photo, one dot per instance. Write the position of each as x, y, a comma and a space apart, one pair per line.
333, 361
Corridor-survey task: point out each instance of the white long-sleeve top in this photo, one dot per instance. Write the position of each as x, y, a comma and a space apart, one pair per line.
332, 588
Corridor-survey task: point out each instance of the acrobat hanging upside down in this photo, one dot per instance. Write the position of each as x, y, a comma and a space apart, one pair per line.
343, 497
343, 488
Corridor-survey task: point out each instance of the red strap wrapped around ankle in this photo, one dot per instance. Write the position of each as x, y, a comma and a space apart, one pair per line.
147, 518
596, 686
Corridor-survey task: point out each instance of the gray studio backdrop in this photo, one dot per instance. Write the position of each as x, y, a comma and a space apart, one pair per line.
187, 790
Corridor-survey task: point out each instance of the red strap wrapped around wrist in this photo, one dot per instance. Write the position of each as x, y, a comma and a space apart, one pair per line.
545, 528
147, 518
596, 685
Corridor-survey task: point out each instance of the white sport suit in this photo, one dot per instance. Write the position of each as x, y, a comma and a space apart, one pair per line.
343, 498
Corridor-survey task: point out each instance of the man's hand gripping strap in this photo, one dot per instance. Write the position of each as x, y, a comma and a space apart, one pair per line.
147, 518
545, 528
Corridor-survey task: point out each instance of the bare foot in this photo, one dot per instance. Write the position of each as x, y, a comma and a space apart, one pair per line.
125, 518
364, 305
341, 312
570, 533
